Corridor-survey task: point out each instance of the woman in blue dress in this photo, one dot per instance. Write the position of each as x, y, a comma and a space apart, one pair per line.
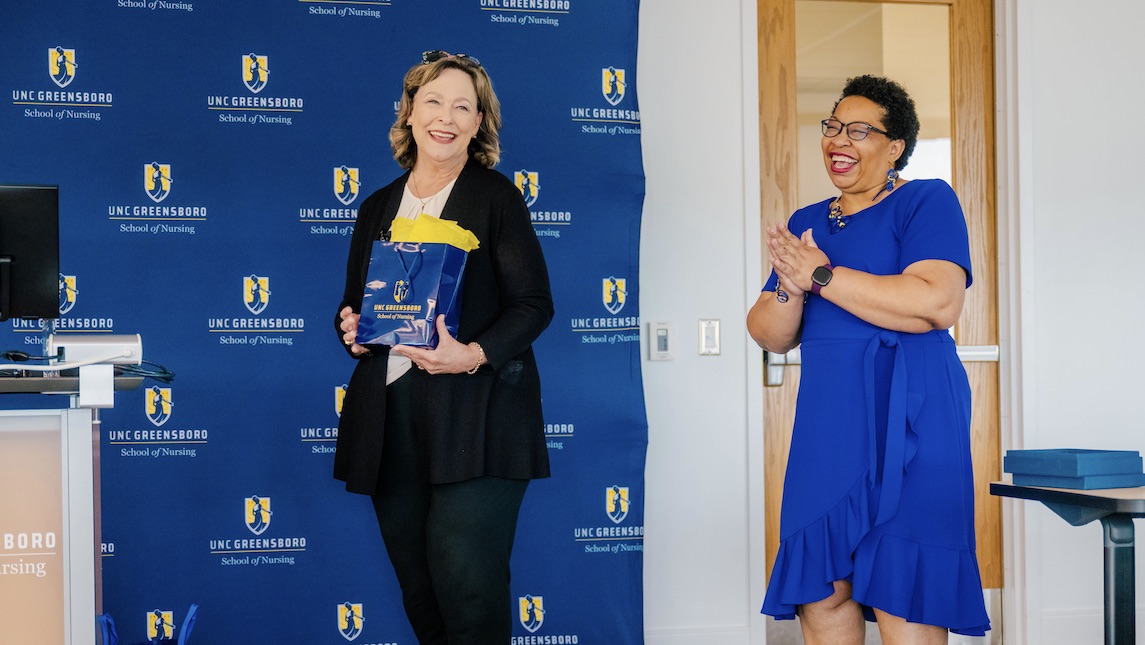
878, 502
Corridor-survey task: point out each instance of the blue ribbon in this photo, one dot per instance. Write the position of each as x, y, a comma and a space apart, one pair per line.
895, 458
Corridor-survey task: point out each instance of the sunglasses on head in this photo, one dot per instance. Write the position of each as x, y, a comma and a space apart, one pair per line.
435, 55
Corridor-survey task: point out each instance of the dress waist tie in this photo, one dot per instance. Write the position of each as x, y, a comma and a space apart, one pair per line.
896, 457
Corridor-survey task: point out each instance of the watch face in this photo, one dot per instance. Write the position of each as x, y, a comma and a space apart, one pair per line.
821, 276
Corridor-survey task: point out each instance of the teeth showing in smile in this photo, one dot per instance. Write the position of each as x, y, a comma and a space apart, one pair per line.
840, 159
441, 135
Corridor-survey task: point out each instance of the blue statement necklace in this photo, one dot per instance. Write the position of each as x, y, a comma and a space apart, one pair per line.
836, 217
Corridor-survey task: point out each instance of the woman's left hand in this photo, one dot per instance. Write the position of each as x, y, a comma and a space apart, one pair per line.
450, 356
794, 258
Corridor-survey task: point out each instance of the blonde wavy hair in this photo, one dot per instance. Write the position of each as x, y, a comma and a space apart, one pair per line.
485, 147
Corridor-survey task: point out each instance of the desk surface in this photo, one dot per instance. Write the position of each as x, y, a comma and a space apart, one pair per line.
1116, 508
1130, 501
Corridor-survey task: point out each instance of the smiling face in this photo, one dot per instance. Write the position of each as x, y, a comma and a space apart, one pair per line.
445, 119
860, 167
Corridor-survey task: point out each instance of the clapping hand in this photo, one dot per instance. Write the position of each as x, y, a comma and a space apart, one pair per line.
794, 258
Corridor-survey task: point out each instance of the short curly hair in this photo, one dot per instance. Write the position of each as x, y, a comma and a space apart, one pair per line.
485, 146
900, 118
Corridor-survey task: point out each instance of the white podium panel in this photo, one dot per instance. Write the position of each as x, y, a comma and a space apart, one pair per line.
47, 527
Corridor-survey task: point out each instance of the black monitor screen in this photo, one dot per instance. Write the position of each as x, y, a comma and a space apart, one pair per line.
29, 252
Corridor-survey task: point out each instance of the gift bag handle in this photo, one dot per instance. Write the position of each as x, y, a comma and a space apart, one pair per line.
412, 267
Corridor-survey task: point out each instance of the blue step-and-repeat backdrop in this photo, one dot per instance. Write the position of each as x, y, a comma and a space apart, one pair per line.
200, 148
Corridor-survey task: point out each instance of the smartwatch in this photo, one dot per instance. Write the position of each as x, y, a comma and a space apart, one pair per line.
820, 277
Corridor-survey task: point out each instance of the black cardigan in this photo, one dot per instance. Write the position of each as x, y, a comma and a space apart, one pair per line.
467, 425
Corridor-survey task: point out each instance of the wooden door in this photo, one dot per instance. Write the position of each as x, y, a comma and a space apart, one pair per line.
972, 112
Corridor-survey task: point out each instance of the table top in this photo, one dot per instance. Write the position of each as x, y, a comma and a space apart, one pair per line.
1130, 501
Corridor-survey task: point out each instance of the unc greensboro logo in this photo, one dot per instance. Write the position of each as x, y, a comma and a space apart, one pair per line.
256, 293
612, 84
68, 293
255, 72
339, 398
62, 65
531, 612
401, 290
526, 181
160, 624
346, 184
257, 514
157, 180
616, 503
158, 404
350, 620
614, 294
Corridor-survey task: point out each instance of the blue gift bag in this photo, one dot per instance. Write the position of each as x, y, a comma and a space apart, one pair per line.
188, 624
106, 632
407, 286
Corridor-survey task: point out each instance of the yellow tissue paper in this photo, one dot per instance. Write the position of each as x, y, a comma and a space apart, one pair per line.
427, 228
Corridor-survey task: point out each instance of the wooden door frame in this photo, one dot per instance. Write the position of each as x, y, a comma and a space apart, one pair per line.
974, 177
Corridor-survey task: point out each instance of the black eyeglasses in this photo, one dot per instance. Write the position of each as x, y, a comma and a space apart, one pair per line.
856, 130
435, 55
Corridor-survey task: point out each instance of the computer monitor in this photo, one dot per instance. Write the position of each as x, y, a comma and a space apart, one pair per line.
29, 252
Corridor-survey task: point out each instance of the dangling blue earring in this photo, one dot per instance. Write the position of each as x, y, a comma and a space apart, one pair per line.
892, 177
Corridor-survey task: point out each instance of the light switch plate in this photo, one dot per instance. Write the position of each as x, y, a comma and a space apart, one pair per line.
709, 338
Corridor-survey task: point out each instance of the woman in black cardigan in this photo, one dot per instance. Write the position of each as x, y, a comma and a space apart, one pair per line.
445, 440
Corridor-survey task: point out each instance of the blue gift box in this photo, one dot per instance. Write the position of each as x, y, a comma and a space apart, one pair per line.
1072, 462
1088, 482
1075, 468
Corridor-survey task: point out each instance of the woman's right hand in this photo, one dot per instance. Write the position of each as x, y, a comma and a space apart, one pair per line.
349, 327
774, 321
794, 258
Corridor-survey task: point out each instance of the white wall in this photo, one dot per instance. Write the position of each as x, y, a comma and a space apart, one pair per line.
697, 243
1075, 82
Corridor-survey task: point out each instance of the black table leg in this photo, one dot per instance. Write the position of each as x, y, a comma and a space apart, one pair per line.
1120, 595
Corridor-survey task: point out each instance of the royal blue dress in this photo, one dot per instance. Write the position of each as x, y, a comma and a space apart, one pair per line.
879, 489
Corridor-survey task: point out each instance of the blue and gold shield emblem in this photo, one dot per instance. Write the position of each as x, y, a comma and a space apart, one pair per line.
612, 84
160, 624
339, 398
616, 503
350, 620
157, 180
257, 514
526, 181
346, 184
256, 293
255, 72
157, 401
614, 294
68, 293
531, 612
401, 290
62, 65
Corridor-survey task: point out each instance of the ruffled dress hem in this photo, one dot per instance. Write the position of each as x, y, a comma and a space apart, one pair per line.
894, 574
813, 557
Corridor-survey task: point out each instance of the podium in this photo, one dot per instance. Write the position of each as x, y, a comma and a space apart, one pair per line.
49, 515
